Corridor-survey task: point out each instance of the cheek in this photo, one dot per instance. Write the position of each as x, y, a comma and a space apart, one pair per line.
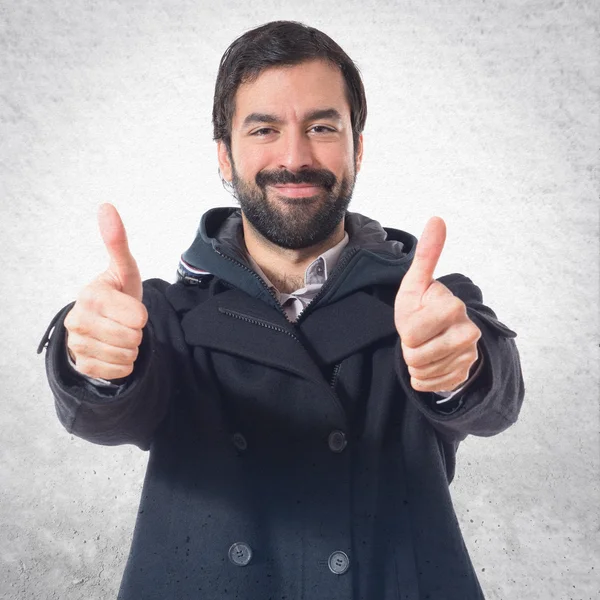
338, 159
347, 169
253, 161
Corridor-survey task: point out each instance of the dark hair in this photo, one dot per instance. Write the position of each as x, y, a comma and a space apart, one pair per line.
275, 44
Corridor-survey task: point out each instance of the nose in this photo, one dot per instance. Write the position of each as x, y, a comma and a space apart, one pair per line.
295, 151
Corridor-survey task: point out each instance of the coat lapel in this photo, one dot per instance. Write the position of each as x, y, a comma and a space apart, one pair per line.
236, 323
347, 326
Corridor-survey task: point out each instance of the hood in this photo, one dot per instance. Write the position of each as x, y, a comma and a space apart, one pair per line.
374, 255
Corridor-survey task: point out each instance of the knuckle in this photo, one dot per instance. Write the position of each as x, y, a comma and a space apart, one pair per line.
460, 380
128, 356
126, 371
414, 372
74, 322
457, 307
409, 338
461, 377
133, 314
450, 383
109, 280
474, 355
88, 297
137, 337
419, 385
415, 339
85, 367
70, 320
140, 317
463, 370
144, 315
77, 345
118, 371
465, 359
134, 354
468, 337
408, 354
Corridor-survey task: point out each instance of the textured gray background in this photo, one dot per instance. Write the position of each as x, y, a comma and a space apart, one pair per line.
485, 113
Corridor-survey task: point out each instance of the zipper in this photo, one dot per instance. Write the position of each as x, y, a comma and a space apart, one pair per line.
262, 282
255, 321
339, 267
334, 375
324, 288
328, 283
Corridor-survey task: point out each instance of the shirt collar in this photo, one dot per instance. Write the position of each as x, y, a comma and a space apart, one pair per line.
327, 260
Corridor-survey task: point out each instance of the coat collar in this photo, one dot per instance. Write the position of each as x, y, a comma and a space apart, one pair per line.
374, 255
237, 324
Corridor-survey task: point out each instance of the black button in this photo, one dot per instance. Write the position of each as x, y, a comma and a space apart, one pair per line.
240, 554
338, 562
239, 441
337, 440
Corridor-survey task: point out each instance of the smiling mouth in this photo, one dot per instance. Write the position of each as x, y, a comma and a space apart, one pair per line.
302, 190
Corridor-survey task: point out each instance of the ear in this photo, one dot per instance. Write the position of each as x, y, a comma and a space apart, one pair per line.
359, 153
224, 162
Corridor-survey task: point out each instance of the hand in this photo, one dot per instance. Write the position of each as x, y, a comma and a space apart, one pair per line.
439, 341
104, 327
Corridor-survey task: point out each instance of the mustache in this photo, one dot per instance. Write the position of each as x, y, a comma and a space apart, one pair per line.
321, 177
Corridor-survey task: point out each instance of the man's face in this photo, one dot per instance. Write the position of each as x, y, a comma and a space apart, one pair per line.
292, 162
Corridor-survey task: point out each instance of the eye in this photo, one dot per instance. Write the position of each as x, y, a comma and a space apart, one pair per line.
322, 129
262, 131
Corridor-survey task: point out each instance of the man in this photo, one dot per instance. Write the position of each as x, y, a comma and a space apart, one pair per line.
304, 386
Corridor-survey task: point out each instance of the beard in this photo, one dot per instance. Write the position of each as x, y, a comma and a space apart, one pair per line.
294, 223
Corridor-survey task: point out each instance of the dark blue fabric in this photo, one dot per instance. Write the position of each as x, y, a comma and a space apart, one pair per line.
220, 363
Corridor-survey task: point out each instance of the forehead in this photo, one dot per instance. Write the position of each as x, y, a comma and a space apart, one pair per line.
290, 91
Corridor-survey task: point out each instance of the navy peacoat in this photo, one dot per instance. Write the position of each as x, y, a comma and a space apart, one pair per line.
290, 460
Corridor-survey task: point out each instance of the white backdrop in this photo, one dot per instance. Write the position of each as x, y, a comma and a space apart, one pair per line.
483, 113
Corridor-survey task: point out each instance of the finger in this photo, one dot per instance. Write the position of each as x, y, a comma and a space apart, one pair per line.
433, 318
103, 329
432, 351
454, 340
429, 249
445, 383
122, 264
101, 370
442, 368
113, 304
86, 347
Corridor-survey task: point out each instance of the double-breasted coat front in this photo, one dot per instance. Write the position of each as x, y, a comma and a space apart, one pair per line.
290, 460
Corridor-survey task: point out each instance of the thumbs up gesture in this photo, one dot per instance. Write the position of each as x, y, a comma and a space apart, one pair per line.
104, 327
438, 340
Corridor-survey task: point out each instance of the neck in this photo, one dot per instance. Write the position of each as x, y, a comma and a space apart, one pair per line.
285, 268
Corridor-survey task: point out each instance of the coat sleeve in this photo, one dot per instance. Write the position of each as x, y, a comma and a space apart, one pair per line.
492, 401
132, 414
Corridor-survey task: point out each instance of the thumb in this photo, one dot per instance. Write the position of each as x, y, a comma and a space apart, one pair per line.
122, 267
427, 254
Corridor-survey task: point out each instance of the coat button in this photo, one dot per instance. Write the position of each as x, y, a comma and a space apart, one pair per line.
338, 562
239, 441
240, 554
337, 440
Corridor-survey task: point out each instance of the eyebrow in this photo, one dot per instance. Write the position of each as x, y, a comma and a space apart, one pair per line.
324, 113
